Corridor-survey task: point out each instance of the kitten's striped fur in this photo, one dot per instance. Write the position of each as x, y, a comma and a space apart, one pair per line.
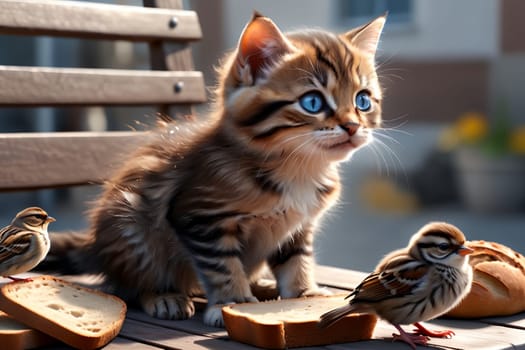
207, 204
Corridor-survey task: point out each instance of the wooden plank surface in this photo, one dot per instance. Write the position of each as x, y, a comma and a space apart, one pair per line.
468, 335
142, 331
515, 321
120, 343
337, 277
170, 57
97, 20
174, 339
39, 160
76, 86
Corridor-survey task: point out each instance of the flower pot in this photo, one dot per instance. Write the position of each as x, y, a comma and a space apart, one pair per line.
490, 183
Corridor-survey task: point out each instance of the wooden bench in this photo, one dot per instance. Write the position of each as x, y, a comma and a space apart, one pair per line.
51, 159
46, 160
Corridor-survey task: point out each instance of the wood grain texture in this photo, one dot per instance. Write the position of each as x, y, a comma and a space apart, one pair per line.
174, 339
77, 86
96, 20
43, 160
120, 343
337, 277
515, 321
141, 330
469, 335
193, 325
169, 57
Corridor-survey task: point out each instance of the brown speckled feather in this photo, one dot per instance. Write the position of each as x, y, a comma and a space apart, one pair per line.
394, 280
13, 242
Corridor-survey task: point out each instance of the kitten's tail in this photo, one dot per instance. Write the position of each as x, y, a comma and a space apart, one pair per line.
69, 254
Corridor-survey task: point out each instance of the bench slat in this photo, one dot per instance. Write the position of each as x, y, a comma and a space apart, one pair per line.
39, 86
41, 160
170, 57
96, 21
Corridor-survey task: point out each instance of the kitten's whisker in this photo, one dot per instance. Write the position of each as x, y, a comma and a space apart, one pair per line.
292, 138
372, 147
404, 132
385, 136
310, 75
296, 150
393, 156
402, 118
380, 155
391, 72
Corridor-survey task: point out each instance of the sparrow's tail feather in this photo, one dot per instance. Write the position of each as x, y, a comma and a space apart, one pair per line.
68, 254
331, 317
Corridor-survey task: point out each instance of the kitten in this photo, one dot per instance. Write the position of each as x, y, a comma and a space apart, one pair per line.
206, 205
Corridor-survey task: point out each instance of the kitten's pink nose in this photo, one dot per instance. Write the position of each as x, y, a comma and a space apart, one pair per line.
351, 127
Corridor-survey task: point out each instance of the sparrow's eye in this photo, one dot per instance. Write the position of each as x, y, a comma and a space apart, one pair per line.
444, 247
312, 102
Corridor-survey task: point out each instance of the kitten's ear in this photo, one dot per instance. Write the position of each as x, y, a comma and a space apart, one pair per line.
366, 37
261, 44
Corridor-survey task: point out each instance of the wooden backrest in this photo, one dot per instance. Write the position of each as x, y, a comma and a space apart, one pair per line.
44, 160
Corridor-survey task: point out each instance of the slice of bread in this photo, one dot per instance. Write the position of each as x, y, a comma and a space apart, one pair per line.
17, 336
80, 317
290, 323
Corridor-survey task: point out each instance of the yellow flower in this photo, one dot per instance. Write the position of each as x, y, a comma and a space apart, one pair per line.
472, 127
517, 140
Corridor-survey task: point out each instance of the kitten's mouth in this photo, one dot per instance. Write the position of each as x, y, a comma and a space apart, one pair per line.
347, 145
340, 145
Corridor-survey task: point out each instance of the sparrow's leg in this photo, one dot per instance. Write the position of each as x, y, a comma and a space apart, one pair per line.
410, 338
16, 279
436, 334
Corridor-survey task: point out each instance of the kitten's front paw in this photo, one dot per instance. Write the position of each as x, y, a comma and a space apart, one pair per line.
168, 306
213, 316
317, 291
213, 313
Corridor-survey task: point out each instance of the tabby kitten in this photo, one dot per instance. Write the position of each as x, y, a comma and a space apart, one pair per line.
206, 205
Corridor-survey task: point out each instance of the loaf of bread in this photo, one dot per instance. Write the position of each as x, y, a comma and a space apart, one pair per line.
17, 336
290, 323
498, 288
80, 317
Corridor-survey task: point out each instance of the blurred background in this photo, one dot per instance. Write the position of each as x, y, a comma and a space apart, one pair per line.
452, 147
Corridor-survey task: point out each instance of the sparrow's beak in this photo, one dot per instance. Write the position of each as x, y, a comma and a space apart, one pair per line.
50, 219
464, 251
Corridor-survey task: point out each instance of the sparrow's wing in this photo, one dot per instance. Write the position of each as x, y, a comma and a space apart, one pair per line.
398, 278
13, 242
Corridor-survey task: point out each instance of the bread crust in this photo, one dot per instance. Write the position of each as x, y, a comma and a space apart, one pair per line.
498, 287
281, 332
16, 336
21, 309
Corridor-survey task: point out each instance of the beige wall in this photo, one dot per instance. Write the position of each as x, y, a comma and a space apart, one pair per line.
441, 29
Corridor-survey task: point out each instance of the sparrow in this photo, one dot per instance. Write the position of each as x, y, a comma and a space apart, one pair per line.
417, 283
25, 242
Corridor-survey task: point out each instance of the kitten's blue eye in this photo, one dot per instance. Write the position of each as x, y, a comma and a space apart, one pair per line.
362, 101
312, 102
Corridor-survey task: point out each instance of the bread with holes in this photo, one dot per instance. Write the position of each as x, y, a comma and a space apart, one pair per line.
290, 323
80, 317
498, 287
